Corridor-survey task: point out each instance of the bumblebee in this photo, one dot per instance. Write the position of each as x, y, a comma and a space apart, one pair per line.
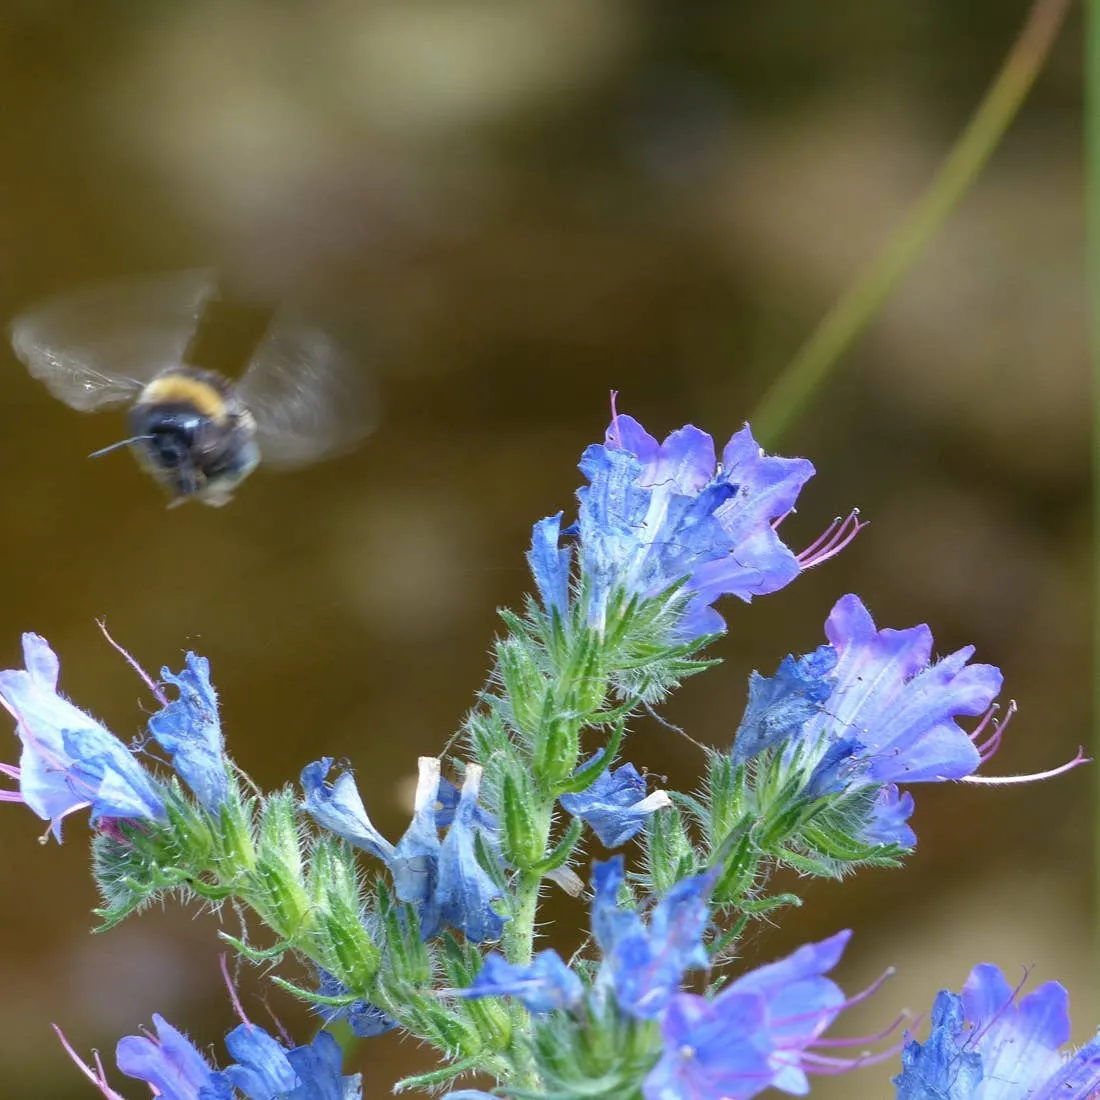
200, 434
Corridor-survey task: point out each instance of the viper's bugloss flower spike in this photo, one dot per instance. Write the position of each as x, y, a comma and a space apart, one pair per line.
756, 1033
984, 1042
616, 805
69, 760
189, 730
544, 985
643, 965
337, 806
655, 514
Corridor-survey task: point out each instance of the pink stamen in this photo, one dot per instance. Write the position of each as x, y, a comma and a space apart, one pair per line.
988, 748
288, 1042
613, 434
831, 1067
12, 772
790, 512
872, 989
835, 538
149, 683
864, 1040
1032, 777
98, 1076
223, 962
976, 1035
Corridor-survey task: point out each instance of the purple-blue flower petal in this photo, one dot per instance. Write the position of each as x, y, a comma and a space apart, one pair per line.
710, 1051
751, 1035
899, 705
1010, 1048
366, 1020
654, 515
550, 564
414, 865
545, 985
189, 730
170, 1063
616, 805
888, 823
319, 1069
52, 782
262, 1071
644, 966
780, 705
337, 806
466, 890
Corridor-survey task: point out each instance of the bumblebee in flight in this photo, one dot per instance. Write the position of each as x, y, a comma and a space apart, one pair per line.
299, 400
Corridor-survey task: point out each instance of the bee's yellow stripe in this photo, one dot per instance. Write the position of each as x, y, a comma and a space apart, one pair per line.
192, 391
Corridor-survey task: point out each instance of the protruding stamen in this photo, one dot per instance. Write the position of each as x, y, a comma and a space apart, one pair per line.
835, 538
863, 1040
614, 433
988, 748
872, 989
149, 683
12, 772
1033, 777
97, 1076
223, 962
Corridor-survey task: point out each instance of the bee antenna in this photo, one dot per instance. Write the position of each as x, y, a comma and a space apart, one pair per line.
120, 443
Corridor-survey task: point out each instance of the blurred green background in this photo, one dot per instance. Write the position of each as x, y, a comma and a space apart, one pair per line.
526, 205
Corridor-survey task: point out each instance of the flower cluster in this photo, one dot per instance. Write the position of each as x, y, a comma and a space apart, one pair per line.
434, 933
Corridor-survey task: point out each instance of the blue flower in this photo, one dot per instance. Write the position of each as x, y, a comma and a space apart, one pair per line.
337, 807
616, 805
643, 966
871, 707
544, 985
443, 880
985, 1043
69, 760
753, 1035
366, 1020
171, 1064
656, 514
466, 890
264, 1069
189, 730
780, 705
415, 862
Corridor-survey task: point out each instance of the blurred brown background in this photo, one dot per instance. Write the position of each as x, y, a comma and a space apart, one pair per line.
525, 205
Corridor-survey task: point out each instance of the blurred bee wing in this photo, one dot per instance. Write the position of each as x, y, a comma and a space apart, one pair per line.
97, 347
310, 400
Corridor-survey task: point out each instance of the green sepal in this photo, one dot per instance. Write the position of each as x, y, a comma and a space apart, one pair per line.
275, 889
524, 683
561, 852
523, 846
670, 855
589, 772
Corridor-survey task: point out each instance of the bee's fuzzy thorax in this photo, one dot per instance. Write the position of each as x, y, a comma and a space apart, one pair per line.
205, 391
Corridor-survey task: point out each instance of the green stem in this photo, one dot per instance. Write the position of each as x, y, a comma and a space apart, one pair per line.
791, 391
1092, 206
